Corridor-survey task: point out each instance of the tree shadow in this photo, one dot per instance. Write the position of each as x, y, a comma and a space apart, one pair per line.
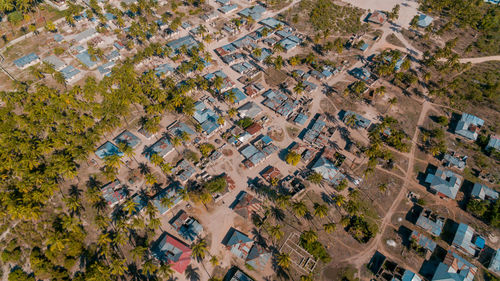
192, 273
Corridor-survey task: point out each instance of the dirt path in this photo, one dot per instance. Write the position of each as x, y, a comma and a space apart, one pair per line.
364, 256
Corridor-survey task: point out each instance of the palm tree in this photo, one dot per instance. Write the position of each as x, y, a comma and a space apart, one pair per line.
283, 201
166, 168
138, 252
329, 227
156, 159
257, 52
351, 120
283, 260
199, 250
166, 202
232, 112
382, 187
391, 102
185, 136
150, 179
176, 141
299, 88
275, 232
113, 161
130, 206
214, 260
320, 210
309, 236
127, 150
217, 83
308, 277
166, 270
299, 208
339, 200
118, 267
149, 268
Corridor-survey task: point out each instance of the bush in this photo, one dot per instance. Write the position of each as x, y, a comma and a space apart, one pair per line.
245, 122
316, 249
216, 185
19, 275
206, 149
293, 158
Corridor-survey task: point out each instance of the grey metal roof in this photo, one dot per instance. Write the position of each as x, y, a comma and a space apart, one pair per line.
481, 191
444, 182
463, 239
468, 125
56, 63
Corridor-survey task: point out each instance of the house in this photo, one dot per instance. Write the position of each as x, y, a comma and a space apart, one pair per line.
187, 227
493, 143
364, 47
290, 43
271, 173
187, 42
328, 171
450, 160
444, 183
424, 20
238, 243
173, 192
254, 12
226, 9
377, 17
172, 251
300, 119
253, 89
163, 70
107, 149
249, 109
112, 193
423, 241
184, 170
431, 222
495, 262
455, 268
359, 121
271, 23
85, 35
128, 138
179, 129
89, 61
279, 102
106, 68
468, 126
27, 61
361, 73
69, 73
254, 128
482, 192
206, 117
254, 156
236, 95
162, 147
466, 241
258, 257
264, 53
245, 205
313, 135
55, 62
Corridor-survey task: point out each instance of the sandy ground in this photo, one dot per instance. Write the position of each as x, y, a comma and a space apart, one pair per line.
407, 11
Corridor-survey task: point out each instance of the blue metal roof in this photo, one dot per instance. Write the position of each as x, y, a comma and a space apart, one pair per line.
107, 149
493, 143
228, 8
481, 191
171, 191
271, 22
69, 72
328, 170
128, 138
23, 61
444, 182
463, 238
187, 41
84, 57
239, 95
495, 262
424, 20
161, 147
468, 125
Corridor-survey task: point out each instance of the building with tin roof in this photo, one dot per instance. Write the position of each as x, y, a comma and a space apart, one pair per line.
172, 251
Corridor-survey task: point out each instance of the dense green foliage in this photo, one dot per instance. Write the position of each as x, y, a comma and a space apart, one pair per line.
486, 210
481, 16
325, 16
315, 248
